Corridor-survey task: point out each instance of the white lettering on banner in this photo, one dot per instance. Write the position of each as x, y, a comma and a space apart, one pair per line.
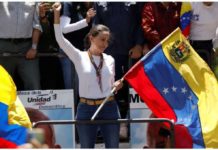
135, 100
47, 99
52, 107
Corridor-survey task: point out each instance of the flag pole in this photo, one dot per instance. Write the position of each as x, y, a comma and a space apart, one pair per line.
104, 101
112, 91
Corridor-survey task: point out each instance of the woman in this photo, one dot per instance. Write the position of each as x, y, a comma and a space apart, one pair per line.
76, 23
96, 79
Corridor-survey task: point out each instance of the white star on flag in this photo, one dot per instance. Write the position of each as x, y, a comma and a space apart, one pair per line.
190, 97
184, 90
174, 89
165, 91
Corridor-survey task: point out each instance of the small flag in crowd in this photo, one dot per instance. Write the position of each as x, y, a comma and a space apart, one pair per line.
14, 121
177, 84
185, 18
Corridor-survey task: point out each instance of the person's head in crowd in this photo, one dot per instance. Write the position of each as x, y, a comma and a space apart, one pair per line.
97, 40
158, 136
35, 115
208, 3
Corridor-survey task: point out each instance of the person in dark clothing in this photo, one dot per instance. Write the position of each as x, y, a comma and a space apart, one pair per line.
50, 67
76, 11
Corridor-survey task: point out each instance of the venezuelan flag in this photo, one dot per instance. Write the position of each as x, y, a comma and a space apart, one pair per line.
177, 84
14, 120
185, 18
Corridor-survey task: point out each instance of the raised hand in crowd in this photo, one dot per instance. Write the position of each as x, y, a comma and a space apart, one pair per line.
135, 52
56, 8
43, 8
145, 49
90, 14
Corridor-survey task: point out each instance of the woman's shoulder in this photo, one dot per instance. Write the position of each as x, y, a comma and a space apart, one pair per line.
84, 53
108, 57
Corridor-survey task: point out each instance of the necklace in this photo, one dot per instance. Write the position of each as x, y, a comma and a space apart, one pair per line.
97, 68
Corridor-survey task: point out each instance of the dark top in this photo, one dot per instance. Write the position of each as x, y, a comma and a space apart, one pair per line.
123, 19
47, 41
76, 11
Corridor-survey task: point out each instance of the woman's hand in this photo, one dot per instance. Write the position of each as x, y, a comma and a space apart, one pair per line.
90, 14
118, 85
56, 8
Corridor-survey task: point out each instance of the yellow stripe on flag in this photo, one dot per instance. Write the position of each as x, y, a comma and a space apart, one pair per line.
203, 83
18, 115
8, 95
186, 6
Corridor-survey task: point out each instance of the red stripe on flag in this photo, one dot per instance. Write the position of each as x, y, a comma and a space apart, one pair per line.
186, 31
7, 144
183, 138
138, 79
